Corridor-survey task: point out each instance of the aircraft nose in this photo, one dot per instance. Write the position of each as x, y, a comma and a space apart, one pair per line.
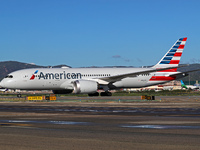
8, 83
2, 84
5, 83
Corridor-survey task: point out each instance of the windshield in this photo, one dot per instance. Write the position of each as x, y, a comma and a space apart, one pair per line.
9, 76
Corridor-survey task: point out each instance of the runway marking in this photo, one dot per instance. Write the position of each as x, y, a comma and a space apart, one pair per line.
160, 127
163, 122
16, 122
69, 122
14, 125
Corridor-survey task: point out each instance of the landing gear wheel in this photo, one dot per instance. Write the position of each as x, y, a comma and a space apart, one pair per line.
106, 94
94, 94
19, 95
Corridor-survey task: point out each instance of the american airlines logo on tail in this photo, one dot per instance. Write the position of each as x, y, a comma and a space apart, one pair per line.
173, 56
170, 59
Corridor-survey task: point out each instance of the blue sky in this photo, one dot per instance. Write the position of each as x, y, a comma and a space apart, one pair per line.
83, 33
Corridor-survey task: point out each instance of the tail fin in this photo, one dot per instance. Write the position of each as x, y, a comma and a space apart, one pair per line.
173, 56
183, 85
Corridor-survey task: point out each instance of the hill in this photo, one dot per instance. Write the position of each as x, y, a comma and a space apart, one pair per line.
193, 76
7, 67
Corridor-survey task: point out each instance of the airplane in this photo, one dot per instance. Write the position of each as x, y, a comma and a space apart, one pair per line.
192, 87
90, 80
3, 90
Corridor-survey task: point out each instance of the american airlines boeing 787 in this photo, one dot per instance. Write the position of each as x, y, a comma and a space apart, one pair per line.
89, 80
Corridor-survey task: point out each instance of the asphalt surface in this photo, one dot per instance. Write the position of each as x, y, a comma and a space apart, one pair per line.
167, 123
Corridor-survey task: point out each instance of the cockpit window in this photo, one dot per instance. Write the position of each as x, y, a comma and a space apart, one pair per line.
9, 76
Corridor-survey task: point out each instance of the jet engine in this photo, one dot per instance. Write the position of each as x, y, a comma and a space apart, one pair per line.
85, 86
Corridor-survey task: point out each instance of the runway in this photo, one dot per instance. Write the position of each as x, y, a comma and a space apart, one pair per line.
173, 123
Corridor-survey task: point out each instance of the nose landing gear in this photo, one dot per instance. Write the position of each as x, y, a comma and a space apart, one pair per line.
19, 95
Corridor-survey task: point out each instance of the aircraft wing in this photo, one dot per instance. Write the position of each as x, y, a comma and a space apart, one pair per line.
134, 74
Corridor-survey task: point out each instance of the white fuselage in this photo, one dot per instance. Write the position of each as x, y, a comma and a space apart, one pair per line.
62, 78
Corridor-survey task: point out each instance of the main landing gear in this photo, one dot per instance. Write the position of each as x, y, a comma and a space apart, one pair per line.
106, 94
94, 94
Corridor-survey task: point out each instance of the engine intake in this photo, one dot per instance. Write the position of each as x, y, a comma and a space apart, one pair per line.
85, 86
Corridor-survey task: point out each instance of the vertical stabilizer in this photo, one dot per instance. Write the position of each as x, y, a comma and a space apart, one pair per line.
183, 85
173, 56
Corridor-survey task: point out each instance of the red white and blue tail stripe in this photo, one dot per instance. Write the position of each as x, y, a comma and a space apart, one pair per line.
173, 56
170, 59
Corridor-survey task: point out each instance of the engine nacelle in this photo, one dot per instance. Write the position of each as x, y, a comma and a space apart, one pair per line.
62, 91
85, 86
